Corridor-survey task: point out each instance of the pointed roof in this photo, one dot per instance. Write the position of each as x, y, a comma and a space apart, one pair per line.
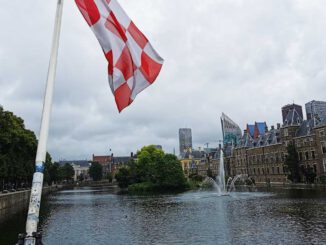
251, 129
293, 118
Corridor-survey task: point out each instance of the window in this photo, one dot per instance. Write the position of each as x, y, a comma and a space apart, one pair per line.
272, 170
313, 154
278, 170
321, 133
286, 132
307, 155
324, 161
323, 147
300, 156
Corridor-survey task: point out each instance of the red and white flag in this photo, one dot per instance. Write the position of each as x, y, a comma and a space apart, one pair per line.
133, 62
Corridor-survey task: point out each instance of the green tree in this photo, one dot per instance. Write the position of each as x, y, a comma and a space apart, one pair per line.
154, 170
169, 174
123, 177
96, 171
292, 163
66, 172
54, 172
17, 150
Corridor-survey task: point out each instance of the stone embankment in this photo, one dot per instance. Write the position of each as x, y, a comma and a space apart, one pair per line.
14, 202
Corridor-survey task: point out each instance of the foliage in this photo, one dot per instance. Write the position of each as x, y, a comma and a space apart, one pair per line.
109, 177
210, 173
154, 171
292, 163
66, 172
123, 177
323, 179
196, 177
17, 150
310, 175
96, 171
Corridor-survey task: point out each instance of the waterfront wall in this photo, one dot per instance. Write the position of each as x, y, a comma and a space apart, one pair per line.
14, 202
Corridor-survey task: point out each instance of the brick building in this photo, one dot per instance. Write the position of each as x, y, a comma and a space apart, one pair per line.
261, 154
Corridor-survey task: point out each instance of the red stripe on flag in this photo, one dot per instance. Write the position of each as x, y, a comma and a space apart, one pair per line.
89, 10
149, 67
122, 96
114, 26
109, 58
138, 36
125, 64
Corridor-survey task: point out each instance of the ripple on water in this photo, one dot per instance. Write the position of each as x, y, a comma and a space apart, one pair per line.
189, 218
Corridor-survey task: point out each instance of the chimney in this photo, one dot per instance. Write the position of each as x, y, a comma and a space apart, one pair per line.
272, 127
278, 126
131, 154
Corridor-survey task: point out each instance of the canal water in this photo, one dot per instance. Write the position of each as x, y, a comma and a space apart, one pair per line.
100, 216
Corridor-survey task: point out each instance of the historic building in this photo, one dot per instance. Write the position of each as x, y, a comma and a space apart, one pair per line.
291, 107
261, 152
199, 162
81, 168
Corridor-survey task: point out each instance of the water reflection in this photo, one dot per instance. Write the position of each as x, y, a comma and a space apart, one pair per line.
100, 216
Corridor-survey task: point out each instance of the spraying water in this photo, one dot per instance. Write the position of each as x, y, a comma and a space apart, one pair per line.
222, 173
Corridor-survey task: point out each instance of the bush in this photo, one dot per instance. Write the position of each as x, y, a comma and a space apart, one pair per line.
154, 171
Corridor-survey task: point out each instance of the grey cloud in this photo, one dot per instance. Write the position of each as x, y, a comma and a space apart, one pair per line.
246, 58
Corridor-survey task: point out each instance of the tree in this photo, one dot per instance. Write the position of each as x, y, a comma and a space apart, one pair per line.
96, 171
154, 170
123, 177
66, 172
17, 150
292, 163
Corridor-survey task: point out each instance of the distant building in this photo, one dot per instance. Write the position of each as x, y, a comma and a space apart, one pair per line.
261, 154
105, 161
289, 107
111, 164
185, 140
316, 110
81, 168
159, 147
259, 128
231, 131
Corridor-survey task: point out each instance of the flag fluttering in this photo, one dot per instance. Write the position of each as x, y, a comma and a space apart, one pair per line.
133, 62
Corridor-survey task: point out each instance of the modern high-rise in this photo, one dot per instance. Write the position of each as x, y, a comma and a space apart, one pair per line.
185, 140
291, 107
316, 109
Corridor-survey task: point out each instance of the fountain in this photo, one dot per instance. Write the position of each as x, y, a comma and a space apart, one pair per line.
222, 188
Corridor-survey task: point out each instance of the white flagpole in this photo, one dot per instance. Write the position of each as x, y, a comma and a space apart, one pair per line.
36, 192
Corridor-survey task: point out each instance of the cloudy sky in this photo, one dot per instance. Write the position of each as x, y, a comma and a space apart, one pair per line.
246, 58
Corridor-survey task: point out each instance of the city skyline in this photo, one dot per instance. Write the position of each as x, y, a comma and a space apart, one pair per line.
247, 81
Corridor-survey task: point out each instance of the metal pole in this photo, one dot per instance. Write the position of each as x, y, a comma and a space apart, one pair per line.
36, 192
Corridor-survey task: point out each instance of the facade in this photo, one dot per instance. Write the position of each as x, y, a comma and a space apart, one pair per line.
198, 162
262, 155
231, 131
185, 140
111, 164
105, 161
316, 110
81, 168
287, 108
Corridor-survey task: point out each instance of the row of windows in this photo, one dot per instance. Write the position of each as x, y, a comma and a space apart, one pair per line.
306, 155
263, 171
305, 142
